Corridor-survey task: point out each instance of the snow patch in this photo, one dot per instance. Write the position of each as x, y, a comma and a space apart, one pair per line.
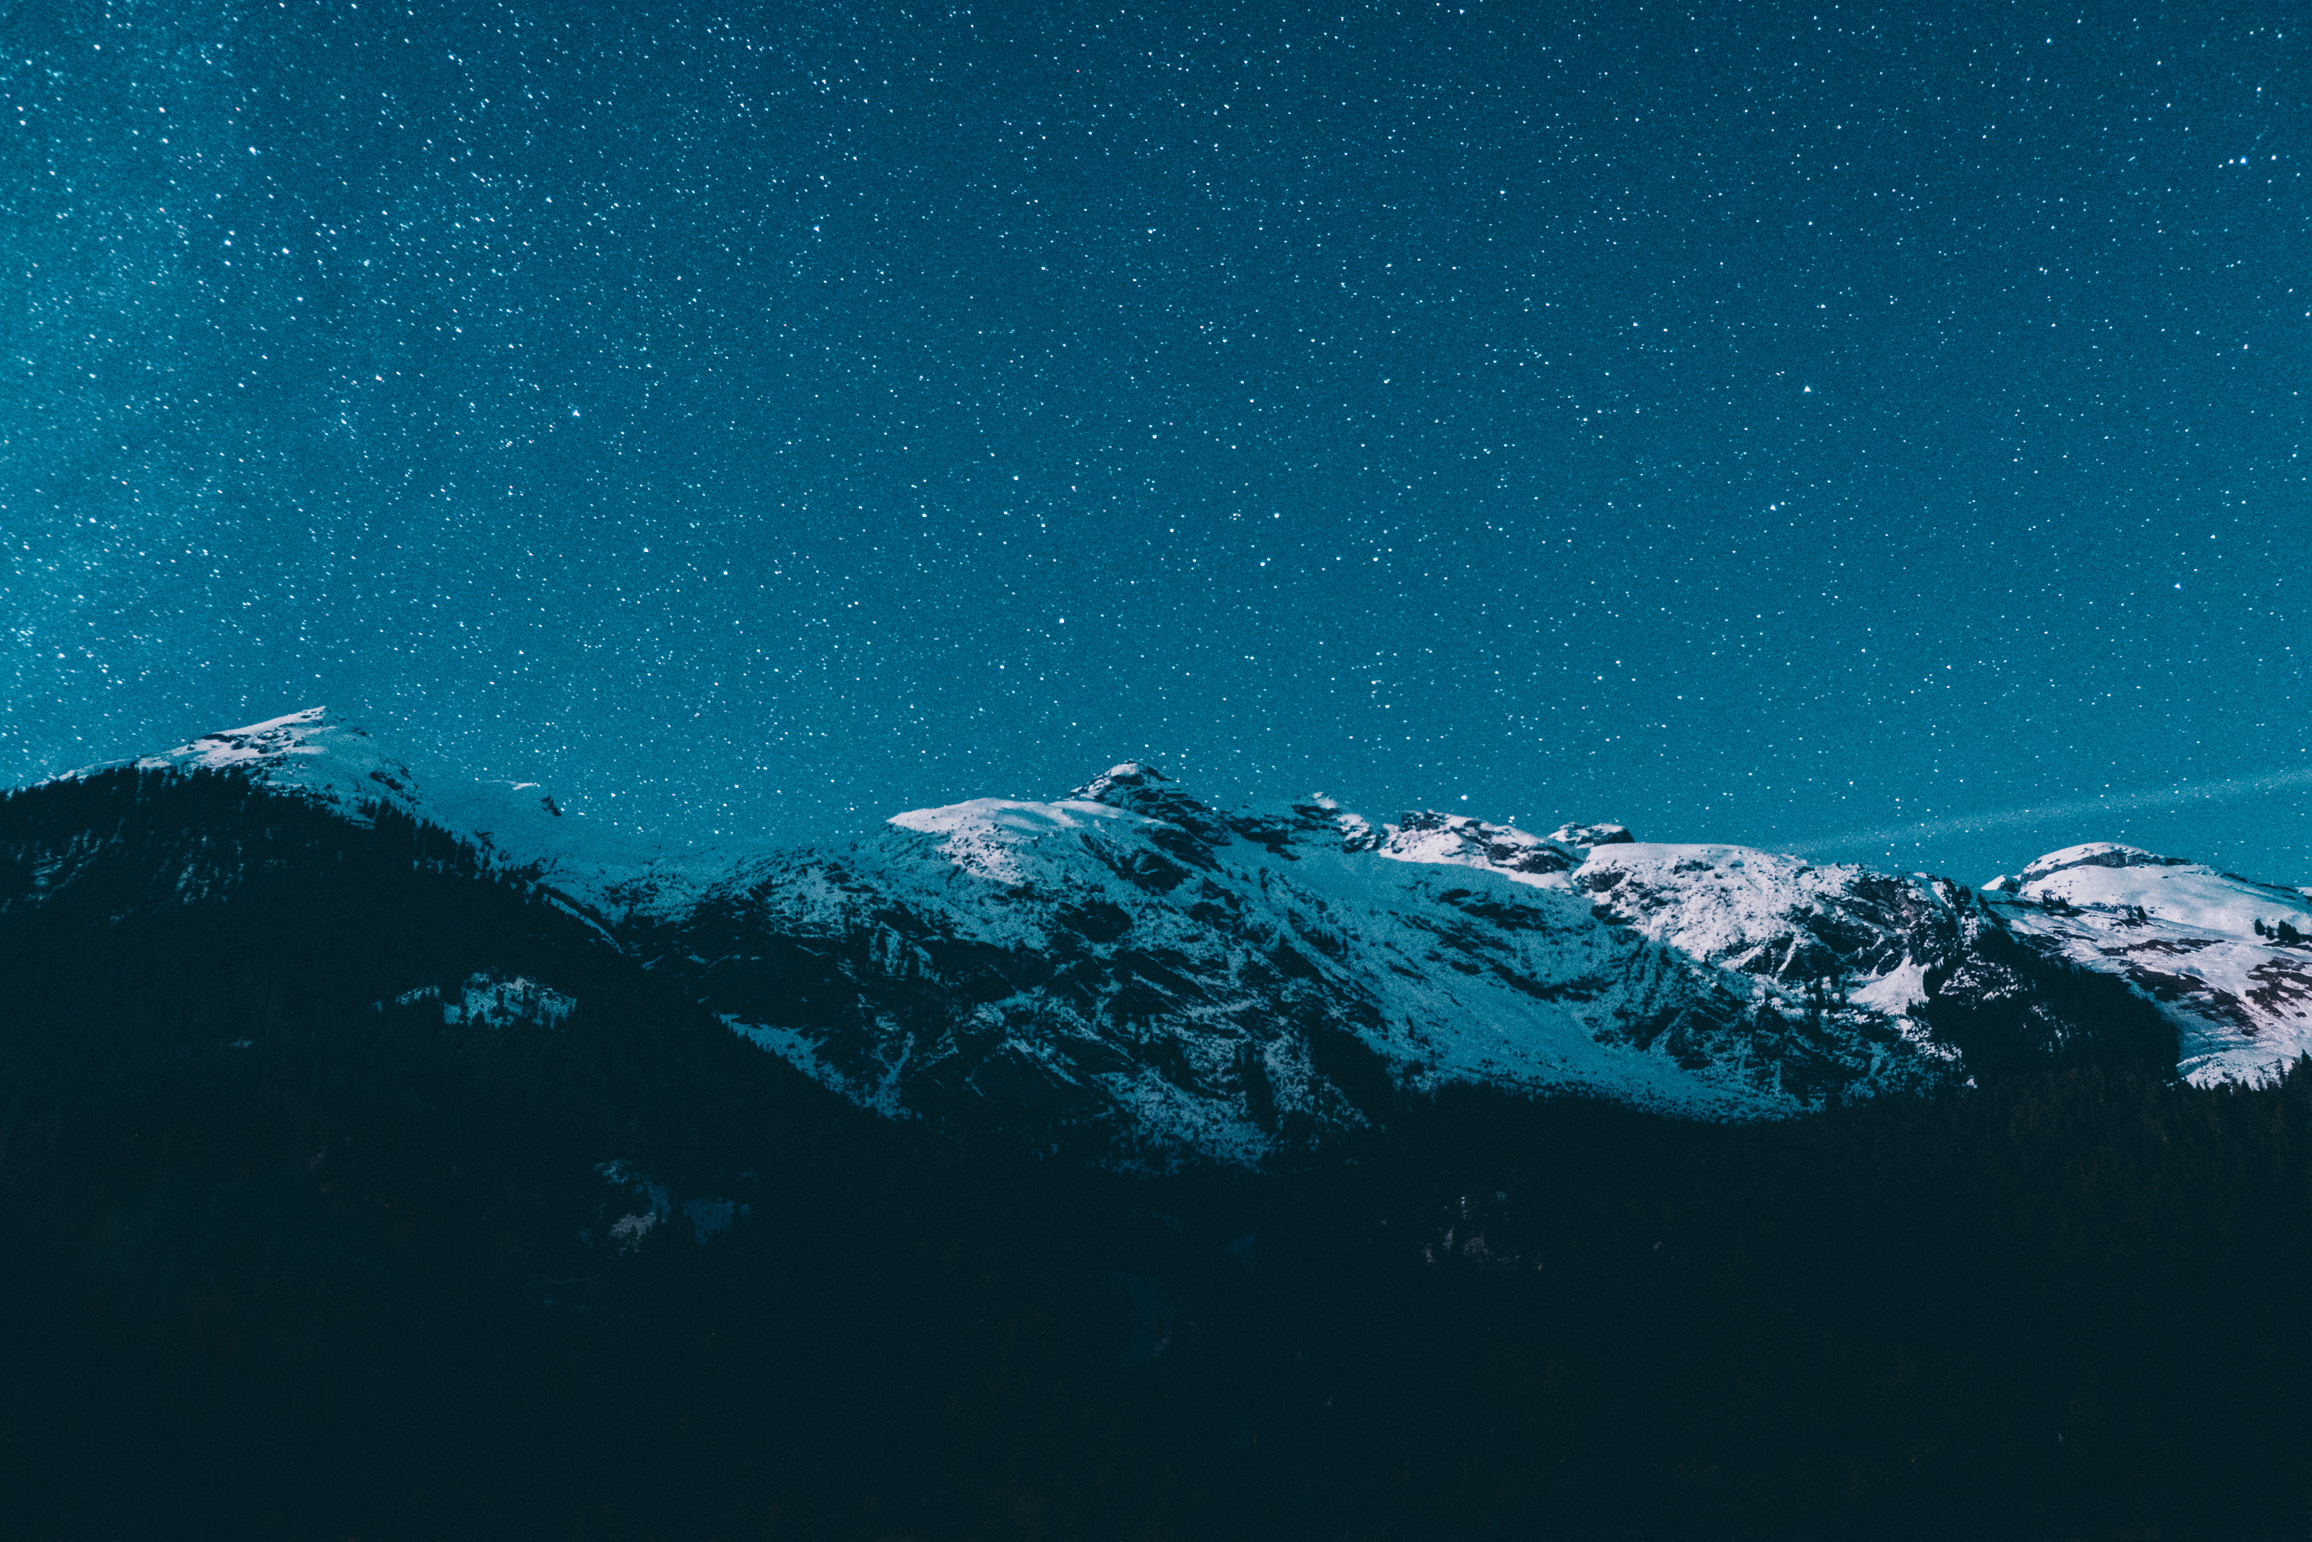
1460, 841
593, 871
992, 838
627, 1232
1895, 992
489, 1000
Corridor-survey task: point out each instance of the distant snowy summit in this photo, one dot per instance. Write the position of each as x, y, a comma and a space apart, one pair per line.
1131, 958
316, 755
2228, 960
1180, 979
319, 756
312, 753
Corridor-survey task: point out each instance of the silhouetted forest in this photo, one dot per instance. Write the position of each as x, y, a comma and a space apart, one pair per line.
289, 1252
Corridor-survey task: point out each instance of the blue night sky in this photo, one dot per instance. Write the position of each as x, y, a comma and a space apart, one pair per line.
1871, 431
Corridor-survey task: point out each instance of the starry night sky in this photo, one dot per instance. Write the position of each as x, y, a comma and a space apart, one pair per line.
1872, 431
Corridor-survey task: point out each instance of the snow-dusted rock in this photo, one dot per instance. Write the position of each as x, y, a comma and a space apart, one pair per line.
492, 1000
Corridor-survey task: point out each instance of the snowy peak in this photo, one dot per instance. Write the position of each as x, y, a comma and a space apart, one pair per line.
1145, 791
1148, 792
2094, 854
1586, 836
1787, 920
1000, 840
1424, 835
320, 756
1319, 822
314, 754
2120, 880
1133, 959
1119, 784
2228, 960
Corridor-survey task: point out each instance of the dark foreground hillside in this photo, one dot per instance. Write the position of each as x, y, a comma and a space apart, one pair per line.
290, 1254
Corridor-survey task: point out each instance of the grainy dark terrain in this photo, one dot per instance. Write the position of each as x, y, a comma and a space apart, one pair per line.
284, 1261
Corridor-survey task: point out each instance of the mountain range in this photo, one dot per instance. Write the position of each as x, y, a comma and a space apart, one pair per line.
1168, 979
391, 1152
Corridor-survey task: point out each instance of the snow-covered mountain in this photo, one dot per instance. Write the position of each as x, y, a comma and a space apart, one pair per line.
2228, 960
313, 754
1130, 962
1131, 959
320, 756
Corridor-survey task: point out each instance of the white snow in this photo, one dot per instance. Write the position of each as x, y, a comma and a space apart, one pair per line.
314, 754
1895, 992
986, 835
800, 1052
1537, 1003
628, 1230
1463, 842
1727, 904
2110, 876
494, 1001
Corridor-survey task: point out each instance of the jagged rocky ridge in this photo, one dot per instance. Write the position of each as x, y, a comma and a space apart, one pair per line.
1130, 966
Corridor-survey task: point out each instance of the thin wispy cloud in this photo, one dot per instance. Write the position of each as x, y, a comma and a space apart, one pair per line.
2227, 790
